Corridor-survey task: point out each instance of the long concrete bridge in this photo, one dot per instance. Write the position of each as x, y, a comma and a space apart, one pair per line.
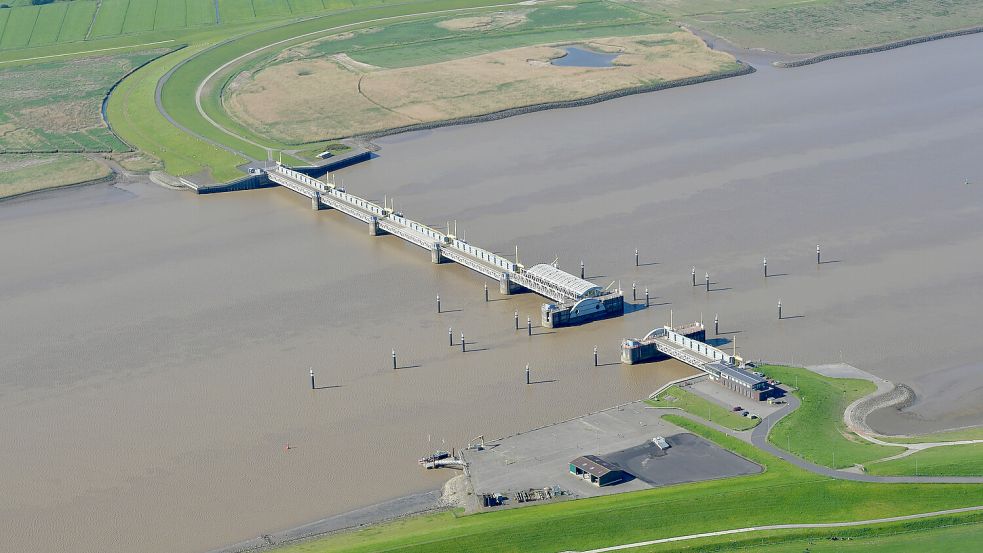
578, 300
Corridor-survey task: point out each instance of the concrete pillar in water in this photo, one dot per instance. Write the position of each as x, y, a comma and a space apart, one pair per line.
716, 324
316, 201
779, 310
438, 303
636, 257
646, 297
505, 285
394, 359
517, 320
435, 255
527, 374
374, 226
450, 336
486, 292
595, 356
694, 276
312, 380
581, 268
464, 344
708, 282
818, 256
633, 292
529, 325
766, 267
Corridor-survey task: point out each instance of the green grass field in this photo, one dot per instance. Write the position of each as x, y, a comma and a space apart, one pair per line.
675, 396
54, 106
954, 460
974, 433
944, 534
794, 26
781, 494
815, 431
20, 174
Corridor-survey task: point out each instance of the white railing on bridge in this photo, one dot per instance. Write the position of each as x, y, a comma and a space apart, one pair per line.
471, 263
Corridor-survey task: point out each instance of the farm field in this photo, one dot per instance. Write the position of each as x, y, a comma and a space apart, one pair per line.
20, 174
55, 106
23, 25
336, 97
781, 494
676, 397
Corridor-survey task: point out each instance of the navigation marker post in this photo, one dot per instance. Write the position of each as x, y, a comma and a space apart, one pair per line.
694, 276
529, 325
527, 374
313, 387
633, 293
766, 267
464, 344
581, 268
708, 281
595, 356
450, 336
716, 325
779, 309
517, 320
636, 257
646, 297
438, 303
394, 359
486, 292
818, 256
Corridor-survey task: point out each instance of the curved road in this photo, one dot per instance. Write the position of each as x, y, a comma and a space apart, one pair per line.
758, 437
785, 527
204, 83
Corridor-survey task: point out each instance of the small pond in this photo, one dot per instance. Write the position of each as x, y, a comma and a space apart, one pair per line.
579, 57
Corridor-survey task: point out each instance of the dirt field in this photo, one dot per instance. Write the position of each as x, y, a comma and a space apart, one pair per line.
328, 98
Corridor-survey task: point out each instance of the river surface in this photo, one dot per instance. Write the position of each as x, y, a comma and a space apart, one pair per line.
155, 345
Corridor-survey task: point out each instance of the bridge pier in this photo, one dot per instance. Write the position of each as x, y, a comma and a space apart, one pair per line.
374, 227
506, 287
316, 204
435, 255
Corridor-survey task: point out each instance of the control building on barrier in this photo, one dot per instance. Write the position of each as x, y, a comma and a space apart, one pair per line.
687, 345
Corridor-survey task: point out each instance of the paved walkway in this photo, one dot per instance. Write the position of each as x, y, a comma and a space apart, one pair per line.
784, 527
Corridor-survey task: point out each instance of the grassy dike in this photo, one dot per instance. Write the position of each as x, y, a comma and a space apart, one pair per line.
674, 396
953, 460
815, 431
781, 494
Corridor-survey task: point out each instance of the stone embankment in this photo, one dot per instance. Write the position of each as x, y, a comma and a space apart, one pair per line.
899, 397
744, 69
873, 49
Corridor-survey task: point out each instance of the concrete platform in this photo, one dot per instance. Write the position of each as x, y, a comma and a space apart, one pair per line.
540, 458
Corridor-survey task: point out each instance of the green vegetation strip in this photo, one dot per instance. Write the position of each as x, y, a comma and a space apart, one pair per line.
782, 494
951, 460
947, 533
815, 431
975, 433
674, 396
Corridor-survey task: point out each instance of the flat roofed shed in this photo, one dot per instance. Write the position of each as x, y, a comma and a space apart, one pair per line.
592, 464
571, 286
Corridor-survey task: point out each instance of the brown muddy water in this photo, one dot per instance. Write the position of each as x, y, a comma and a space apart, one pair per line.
155, 345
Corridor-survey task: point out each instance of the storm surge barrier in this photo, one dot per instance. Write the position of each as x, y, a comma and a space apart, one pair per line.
510, 275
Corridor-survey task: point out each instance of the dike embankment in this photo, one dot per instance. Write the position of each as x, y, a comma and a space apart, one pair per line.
873, 49
744, 69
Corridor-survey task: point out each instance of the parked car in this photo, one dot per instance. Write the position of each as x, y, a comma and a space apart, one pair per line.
738, 408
